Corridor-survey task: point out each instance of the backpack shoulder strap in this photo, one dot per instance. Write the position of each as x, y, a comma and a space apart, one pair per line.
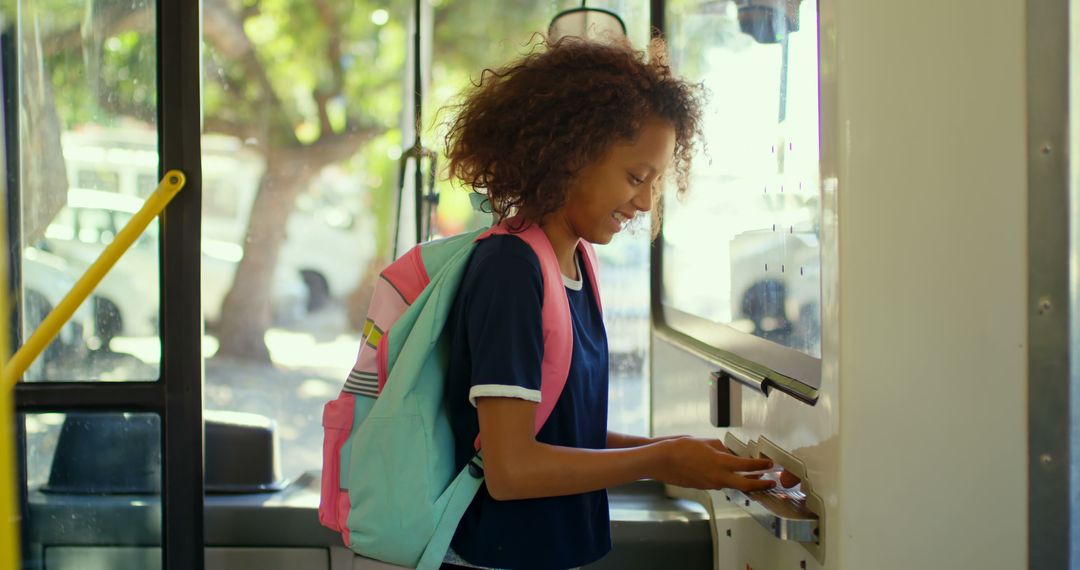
558, 328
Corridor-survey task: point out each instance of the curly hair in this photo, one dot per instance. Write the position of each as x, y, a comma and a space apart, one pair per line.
524, 131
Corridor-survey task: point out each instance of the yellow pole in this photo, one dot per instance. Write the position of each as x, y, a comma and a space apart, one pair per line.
48, 329
9, 512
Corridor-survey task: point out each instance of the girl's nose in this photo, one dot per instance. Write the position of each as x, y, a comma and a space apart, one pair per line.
643, 200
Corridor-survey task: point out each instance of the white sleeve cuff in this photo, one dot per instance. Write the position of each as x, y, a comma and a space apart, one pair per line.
502, 391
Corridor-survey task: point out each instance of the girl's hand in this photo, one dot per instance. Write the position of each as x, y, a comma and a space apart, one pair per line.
706, 464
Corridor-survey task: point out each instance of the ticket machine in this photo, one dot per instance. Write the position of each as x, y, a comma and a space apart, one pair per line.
906, 372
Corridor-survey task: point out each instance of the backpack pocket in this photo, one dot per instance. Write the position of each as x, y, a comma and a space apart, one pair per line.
393, 513
337, 426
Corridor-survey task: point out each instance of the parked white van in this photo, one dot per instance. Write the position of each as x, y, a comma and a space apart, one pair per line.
326, 248
128, 296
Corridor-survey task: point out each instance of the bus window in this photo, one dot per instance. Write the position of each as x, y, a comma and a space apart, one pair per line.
304, 180
751, 287
98, 180
300, 148
96, 476
624, 284
95, 227
88, 100
146, 181
87, 88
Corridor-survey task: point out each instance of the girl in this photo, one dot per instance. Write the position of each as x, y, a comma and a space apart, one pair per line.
574, 138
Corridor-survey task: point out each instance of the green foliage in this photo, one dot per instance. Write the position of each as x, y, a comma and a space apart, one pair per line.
469, 37
351, 55
381, 185
99, 74
292, 41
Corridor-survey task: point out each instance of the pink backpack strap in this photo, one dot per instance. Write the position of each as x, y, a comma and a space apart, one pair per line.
558, 326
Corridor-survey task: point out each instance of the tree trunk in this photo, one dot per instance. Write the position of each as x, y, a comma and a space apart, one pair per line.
245, 312
44, 183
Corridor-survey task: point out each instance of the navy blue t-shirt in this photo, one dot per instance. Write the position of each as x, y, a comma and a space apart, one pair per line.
496, 350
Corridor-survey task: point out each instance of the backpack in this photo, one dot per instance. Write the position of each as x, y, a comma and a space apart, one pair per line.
389, 482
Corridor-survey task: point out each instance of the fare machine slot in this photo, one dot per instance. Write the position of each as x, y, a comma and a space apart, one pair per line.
795, 514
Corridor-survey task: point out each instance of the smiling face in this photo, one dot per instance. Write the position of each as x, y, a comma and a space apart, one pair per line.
611, 191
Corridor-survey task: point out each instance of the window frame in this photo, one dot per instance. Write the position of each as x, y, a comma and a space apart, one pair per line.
759, 363
176, 397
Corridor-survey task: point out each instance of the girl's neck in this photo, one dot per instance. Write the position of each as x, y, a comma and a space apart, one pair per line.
564, 241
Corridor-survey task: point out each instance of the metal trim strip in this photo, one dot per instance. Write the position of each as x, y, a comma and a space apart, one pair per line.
1048, 283
41, 397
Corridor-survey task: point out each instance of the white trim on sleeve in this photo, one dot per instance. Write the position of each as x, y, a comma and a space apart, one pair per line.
502, 391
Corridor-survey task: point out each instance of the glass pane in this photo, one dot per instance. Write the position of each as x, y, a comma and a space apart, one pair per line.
741, 248
93, 480
624, 287
634, 13
290, 254
87, 148
300, 152
468, 38
624, 284
107, 180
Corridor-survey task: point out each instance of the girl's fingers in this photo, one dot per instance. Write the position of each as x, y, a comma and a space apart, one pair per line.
718, 445
750, 485
736, 463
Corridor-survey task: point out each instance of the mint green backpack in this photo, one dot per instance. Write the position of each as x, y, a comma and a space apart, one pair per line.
390, 484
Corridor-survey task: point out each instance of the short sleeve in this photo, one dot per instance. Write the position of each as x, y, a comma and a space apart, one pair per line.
503, 320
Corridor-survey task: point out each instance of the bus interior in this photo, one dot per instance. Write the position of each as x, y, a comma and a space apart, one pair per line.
861, 159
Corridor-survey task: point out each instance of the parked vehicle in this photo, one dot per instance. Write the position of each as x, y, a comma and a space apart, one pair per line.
327, 247
46, 280
127, 299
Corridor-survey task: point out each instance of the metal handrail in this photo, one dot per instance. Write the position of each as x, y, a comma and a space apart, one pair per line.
169, 186
9, 521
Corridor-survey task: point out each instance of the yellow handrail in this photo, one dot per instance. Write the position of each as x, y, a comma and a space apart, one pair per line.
9, 518
48, 329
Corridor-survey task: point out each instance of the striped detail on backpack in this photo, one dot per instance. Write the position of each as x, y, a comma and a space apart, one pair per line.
362, 383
